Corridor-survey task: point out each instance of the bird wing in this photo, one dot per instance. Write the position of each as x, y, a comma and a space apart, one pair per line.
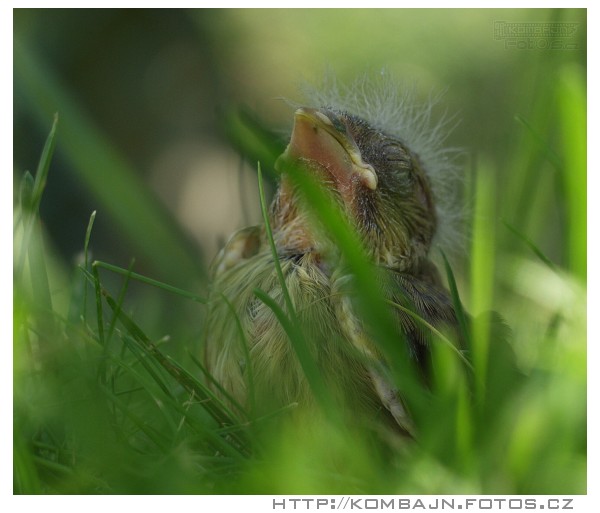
415, 298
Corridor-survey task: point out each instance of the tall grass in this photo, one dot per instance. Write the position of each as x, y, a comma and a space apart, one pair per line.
102, 407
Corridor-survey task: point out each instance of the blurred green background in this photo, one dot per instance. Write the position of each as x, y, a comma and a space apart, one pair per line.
145, 101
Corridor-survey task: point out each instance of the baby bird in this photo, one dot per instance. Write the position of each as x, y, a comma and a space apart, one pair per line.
386, 191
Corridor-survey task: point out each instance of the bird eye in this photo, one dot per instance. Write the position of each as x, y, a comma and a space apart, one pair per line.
395, 153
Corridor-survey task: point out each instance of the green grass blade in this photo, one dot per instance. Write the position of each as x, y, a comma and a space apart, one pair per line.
368, 297
119, 304
304, 357
209, 393
146, 362
41, 175
175, 370
26, 479
290, 322
86, 262
252, 139
32, 189
150, 281
26, 191
573, 120
457, 303
98, 296
148, 384
249, 368
541, 143
38, 270
482, 275
158, 438
276, 262
531, 245
438, 334
22, 222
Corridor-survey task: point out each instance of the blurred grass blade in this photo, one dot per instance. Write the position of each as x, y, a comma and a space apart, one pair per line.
149, 281
538, 252
32, 241
482, 274
86, 262
573, 121
98, 297
154, 435
106, 174
25, 475
26, 191
541, 143
41, 175
255, 142
40, 284
32, 189
457, 303
453, 401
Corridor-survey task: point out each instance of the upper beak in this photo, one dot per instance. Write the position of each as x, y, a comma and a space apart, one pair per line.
324, 141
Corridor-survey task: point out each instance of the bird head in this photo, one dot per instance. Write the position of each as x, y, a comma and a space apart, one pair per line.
379, 182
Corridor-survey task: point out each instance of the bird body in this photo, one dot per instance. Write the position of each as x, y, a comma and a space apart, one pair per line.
384, 191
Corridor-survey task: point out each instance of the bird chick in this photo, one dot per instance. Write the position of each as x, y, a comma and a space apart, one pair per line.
383, 188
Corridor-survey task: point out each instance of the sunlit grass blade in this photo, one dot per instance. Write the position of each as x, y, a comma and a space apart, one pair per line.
38, 269
32, 189
464, 425
452, 400
571, 93
482, 275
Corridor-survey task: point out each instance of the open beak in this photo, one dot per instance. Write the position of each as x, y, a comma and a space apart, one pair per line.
320, 139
